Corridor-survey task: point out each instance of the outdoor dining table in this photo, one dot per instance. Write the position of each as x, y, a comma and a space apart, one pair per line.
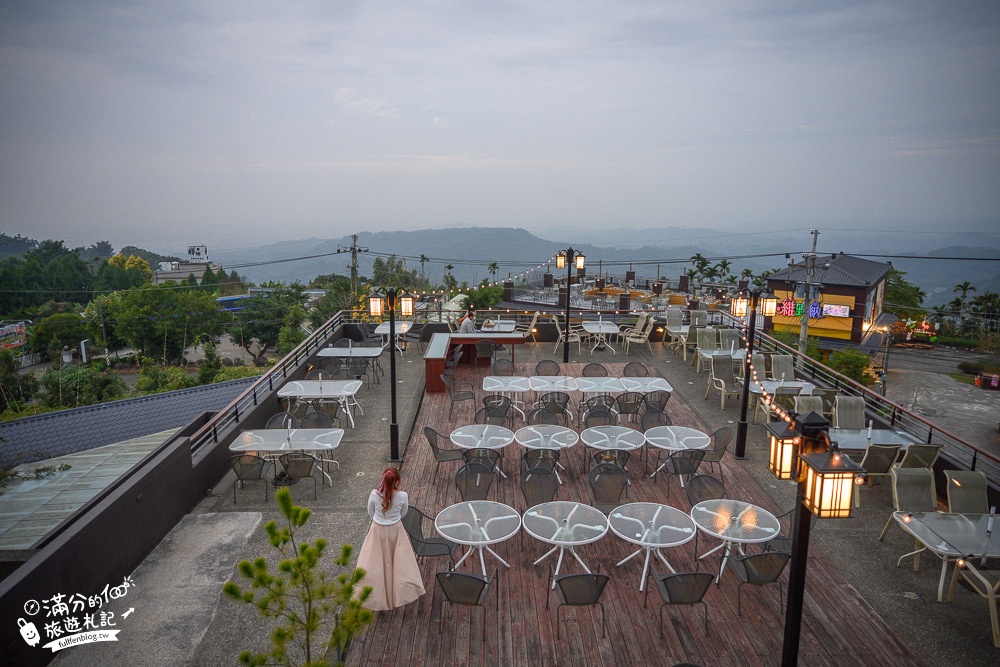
566, 525
952, 536
372, 353
275, 441
646, 384
499, 326
675, 438
736, 523
612, 438
401, 328
344, 391
546, 383
653, 527
769, 386
509, 386
477, 524
858, 439
600, 330
482, 436
600, 385
547, 436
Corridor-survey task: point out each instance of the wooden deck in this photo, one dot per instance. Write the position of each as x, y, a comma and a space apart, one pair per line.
838, 627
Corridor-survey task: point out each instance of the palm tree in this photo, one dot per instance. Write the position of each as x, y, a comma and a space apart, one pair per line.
710, 273
423, 259
964, 287
448, 268
747, 274
723, 268
494, 269
700, 264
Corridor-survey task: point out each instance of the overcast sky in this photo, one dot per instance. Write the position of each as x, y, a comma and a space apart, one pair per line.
237, 123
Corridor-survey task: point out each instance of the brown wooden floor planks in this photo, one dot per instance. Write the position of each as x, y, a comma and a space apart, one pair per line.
841, 628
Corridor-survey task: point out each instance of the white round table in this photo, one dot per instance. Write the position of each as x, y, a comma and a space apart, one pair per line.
566, 525
482, 436
478, 524
676, 438
735, 522
653, 527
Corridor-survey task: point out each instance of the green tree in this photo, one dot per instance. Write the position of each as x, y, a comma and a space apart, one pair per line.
854, 364
58, 331
154, 379
211, 365
291, 333
903, 298
318, 614
494, 269
485, 297
391, 272
261, 318
162, 321
964, 288
15, 388
423, 260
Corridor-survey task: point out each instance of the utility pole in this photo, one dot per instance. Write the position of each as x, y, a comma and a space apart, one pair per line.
807, 292
354, 249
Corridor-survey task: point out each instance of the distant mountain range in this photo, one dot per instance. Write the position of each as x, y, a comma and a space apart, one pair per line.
471, 250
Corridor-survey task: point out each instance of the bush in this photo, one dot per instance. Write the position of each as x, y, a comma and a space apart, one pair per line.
239, 372
75, 386
972, 367
153, 379
16, 388
952, 341
58, 331
852, 363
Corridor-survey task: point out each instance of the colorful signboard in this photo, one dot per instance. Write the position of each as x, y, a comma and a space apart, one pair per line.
13, 335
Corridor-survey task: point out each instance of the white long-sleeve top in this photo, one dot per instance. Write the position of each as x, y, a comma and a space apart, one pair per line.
400, 503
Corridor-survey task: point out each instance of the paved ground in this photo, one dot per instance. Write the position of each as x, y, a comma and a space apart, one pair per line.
919, 382
212, 630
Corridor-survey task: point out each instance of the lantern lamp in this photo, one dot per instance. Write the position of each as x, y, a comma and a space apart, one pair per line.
829, 484
740, 304
768, 304
784, 449
561, 260
579, 262
406, 305
376, 305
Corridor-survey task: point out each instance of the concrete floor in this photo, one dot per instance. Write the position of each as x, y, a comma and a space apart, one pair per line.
177, 599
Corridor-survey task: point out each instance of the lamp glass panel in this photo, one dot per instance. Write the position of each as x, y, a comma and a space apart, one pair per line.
561, 261
739, 306
768, 306
375, 305
828, 495
783, 457
579, 261
406, 305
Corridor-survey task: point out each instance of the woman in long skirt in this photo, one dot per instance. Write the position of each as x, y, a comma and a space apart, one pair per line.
386, 556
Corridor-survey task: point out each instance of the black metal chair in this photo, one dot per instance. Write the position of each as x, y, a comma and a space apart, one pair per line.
485, 349
599, 416
542, 416
414, 335
538, 485
682, 462
578, 590
248, 468
759, 570
600, 401
359, 368
282, 420
488, 457
424, 545
473, 481
653, 417
316, 420
634, 369
720, 443
629, 403
557, 402
331, 408
681, 588
491, 415
704, 487
595, 371
468, 590
547, 367
296, 466
607, 482
656, 400
441, 455
500, 402
504, 367
458, 392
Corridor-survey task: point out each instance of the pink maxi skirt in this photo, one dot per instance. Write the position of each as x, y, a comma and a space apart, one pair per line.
390, 568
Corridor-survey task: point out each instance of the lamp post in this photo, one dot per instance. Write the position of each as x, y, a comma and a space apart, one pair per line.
801, 450
376, 305
568, 259
745, 304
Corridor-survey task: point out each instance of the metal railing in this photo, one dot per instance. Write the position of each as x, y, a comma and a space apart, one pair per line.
263, 387
961, 453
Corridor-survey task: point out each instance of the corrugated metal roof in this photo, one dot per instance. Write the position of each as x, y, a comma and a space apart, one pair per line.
79, 429
844, 270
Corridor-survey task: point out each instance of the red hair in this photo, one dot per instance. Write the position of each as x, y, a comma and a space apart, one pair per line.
388, 484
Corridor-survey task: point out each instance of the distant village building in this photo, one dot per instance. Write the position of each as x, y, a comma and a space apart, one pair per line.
850, 303
196, 265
